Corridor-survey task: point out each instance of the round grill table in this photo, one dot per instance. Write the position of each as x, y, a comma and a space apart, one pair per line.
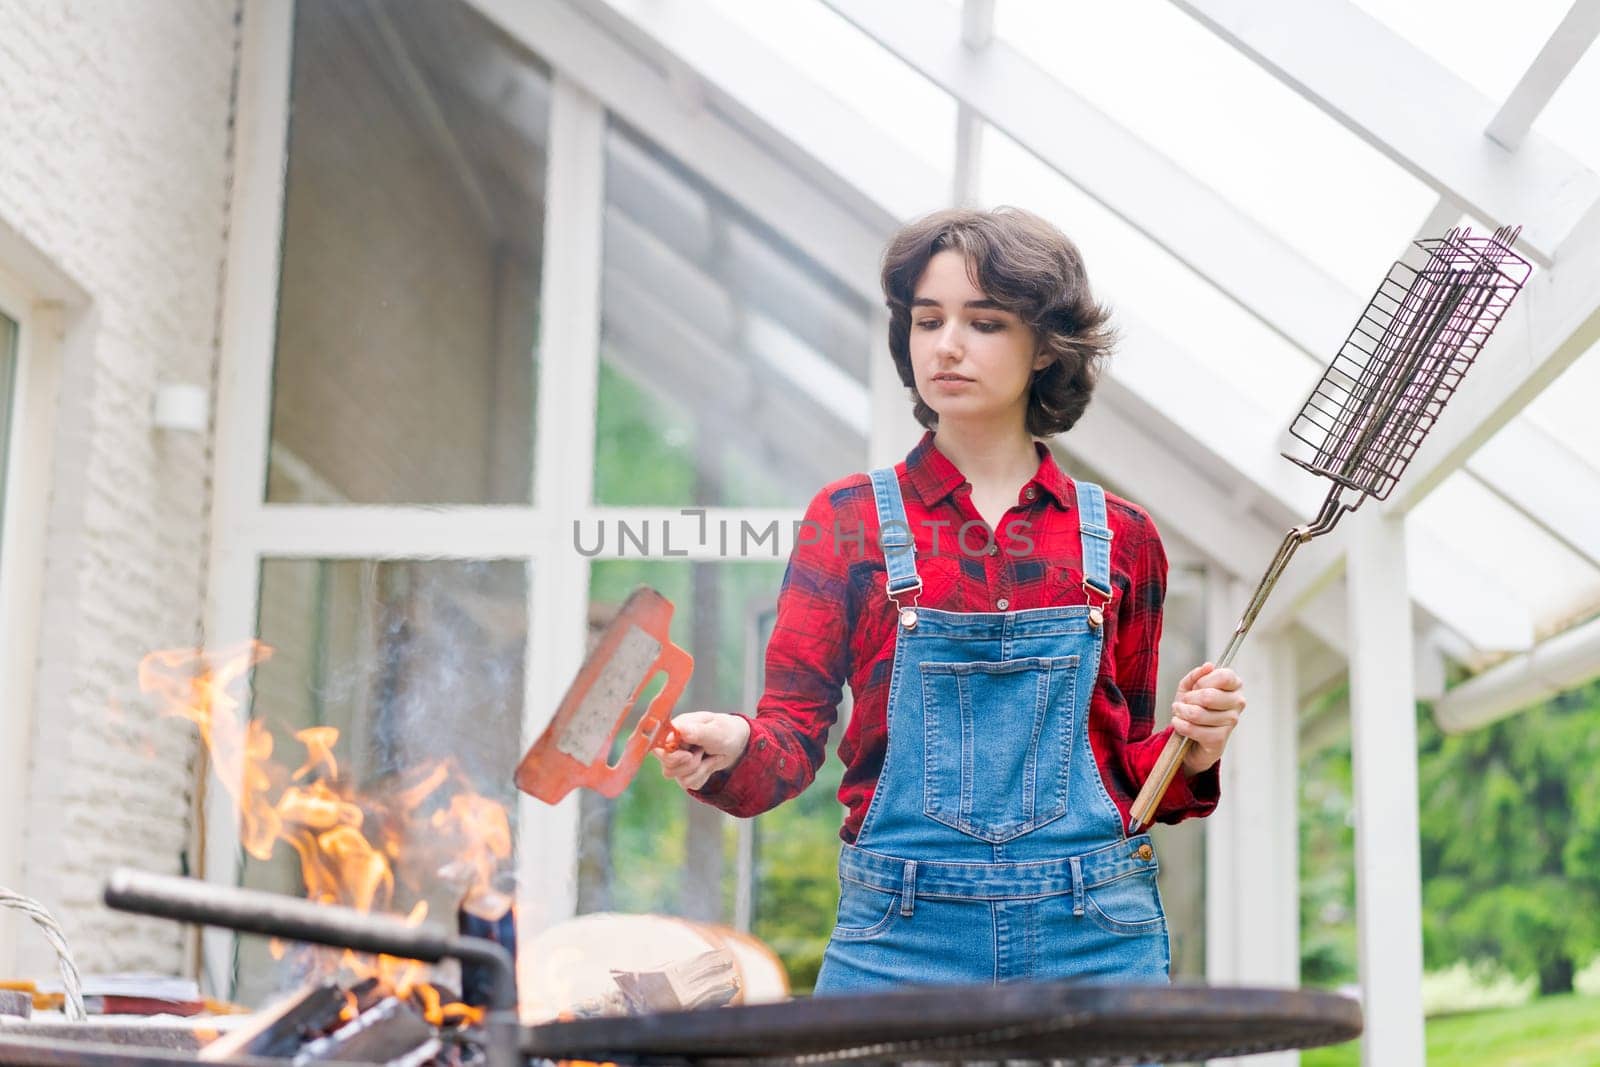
1071, 1024
1066, 1023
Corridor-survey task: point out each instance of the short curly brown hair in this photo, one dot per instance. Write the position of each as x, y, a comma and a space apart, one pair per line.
1031, 269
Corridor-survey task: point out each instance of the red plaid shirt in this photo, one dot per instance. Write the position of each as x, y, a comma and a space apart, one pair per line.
835, 623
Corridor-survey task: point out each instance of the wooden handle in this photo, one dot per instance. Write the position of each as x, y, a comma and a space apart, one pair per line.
1143, 812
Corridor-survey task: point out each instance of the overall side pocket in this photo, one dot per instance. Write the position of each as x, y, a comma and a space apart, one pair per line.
864, 912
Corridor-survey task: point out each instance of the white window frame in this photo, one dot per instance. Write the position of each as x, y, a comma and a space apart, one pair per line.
37, 311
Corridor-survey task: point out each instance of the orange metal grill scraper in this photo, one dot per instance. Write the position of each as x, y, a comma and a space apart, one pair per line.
574, 748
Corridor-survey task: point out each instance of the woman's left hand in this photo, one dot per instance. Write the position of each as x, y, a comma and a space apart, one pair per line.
1210, 699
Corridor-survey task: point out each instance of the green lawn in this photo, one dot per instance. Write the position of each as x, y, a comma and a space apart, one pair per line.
1548, 1032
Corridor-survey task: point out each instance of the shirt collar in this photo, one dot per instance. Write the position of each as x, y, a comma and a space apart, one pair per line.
934, 477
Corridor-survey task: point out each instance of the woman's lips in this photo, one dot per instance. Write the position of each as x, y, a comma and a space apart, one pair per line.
951, 381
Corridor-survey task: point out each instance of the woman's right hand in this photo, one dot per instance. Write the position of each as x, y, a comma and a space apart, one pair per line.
708, 742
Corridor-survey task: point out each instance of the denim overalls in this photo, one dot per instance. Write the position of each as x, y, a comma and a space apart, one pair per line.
991, 851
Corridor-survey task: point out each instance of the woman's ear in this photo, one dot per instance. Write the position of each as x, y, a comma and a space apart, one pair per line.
1042, 359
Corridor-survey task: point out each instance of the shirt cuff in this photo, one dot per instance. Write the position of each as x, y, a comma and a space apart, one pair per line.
736, 789
1191, 796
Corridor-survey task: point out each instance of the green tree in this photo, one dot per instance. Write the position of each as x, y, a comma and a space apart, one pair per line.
1510, 827
1327, 867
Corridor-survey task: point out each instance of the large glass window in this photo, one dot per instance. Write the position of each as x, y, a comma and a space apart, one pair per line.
418, 666
653, 849
412, 235
733, 370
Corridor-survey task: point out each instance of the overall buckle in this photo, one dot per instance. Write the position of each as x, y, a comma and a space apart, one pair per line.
1097, 612
908, 615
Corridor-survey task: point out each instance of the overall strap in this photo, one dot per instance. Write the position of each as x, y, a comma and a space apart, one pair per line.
894, 534
1096, 536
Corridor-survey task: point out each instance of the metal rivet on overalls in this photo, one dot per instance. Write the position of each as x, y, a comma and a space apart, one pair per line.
1145, 852
908, 618
1097, 618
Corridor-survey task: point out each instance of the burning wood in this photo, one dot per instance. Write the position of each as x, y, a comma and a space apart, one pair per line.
388, 1032
432, 828
280, 1029
325, 1022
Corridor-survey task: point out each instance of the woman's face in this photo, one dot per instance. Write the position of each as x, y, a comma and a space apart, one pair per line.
972, 360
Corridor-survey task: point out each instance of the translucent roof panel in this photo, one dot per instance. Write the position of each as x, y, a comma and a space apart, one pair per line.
902, 103
1555, 583
1569, 118
1134, 274
1486, 43
1566, 409
1231, 124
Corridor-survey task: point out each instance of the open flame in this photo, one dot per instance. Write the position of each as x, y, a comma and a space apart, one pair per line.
349, 845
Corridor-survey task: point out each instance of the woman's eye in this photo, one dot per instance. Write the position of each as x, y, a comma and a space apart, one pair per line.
989, 327
928, 324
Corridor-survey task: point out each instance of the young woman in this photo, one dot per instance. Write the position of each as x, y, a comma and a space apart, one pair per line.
997, 622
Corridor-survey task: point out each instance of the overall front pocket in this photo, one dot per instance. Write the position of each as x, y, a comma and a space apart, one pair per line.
997, 743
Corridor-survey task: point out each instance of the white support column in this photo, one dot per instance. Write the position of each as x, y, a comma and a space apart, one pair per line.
1225, 826
1384, 755
241, 427
1252, 839
569, 355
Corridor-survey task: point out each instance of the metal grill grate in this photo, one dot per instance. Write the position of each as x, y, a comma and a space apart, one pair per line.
1405, 357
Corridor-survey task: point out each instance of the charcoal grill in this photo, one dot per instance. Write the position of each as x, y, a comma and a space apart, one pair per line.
1061, 1022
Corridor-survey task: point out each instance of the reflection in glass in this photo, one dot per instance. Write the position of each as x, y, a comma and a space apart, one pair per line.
412, 233
735, 362
413, 663
653, 849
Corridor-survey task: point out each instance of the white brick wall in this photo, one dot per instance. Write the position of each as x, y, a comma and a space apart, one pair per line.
114, 140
